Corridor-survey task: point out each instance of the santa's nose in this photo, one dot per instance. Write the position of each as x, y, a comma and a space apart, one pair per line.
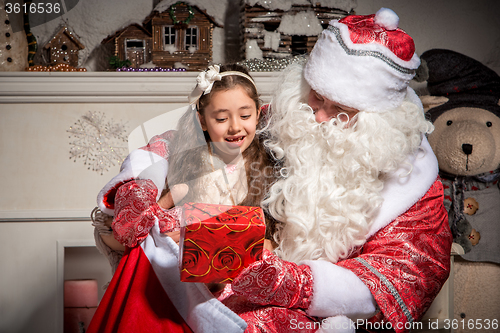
467, 148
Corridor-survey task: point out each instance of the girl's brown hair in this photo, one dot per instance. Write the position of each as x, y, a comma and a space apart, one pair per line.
186, 162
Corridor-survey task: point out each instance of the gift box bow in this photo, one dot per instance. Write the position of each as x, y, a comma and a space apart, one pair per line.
218, 241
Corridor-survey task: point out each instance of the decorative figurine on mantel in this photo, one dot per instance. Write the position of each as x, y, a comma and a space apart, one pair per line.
182, 34
276, 33
175, 36
63, 48
132, 43
14, 46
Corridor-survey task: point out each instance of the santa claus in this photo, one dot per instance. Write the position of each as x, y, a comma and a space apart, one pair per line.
362, 236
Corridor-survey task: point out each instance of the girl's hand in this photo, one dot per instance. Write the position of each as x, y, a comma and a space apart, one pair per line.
175, 235
176, 193
168, 200
268, 245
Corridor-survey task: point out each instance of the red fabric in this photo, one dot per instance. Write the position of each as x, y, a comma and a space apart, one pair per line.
135, 212
272, 281
363, 30
159, 144
286, 286
219, 241
270, 319
109, 197
135, 301
413, 253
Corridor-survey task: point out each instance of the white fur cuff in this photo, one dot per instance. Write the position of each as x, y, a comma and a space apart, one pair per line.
139, 164
337, 324
338, 291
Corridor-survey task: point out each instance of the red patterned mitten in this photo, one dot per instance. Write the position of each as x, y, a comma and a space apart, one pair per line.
272, 281
136, 211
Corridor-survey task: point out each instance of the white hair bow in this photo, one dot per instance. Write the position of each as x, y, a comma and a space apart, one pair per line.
205, 82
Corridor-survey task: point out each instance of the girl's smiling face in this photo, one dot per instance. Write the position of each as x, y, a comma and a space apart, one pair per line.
231, 120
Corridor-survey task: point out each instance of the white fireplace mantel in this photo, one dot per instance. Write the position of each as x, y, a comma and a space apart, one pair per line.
108, 87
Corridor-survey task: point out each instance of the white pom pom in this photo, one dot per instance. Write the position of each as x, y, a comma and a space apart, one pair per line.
387, 18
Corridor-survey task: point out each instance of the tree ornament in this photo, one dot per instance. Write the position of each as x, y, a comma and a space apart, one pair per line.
100, 143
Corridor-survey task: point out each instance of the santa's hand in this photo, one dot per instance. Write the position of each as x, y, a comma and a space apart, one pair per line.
176, 193
272, 281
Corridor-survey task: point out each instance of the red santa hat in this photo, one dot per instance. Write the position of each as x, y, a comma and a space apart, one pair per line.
363, 61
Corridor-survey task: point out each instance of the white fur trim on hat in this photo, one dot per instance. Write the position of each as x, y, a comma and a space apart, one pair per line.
367, 77
387, 18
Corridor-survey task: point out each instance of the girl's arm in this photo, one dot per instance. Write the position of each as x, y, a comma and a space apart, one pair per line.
112, 243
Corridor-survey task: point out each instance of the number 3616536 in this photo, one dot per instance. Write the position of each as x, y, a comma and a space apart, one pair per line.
472, 324
33, 8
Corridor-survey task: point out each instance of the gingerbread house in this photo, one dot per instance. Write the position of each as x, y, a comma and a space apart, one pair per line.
63, 48
182, 34
283, 29
133, 43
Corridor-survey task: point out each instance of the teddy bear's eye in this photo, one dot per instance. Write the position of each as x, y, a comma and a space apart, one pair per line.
449, 122
489, 124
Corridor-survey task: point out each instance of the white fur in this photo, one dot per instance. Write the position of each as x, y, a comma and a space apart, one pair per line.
139, 164
400, 193
337, 324
387, 18
338, 291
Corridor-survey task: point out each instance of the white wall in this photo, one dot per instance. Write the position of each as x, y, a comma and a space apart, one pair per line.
47, 198
471, 27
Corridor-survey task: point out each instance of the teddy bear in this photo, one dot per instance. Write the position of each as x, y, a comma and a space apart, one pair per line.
462, 101
464, 107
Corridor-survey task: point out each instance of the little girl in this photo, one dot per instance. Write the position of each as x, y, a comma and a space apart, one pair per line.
216, 152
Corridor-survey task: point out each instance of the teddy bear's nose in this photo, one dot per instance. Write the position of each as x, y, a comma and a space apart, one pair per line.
467, 148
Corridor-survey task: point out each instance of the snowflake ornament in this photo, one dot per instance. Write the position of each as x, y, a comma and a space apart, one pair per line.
101, 144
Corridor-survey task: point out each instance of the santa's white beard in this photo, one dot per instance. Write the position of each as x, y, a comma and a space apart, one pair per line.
332, 175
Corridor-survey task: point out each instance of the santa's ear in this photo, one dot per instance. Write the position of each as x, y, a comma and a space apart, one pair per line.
430, 102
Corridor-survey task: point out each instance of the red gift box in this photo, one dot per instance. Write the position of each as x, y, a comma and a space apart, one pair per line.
218, 241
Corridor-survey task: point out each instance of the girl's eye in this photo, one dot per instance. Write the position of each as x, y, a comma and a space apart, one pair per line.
220, 120
245, 117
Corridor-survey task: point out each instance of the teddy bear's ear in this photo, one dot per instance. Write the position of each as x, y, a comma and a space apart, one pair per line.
430, 102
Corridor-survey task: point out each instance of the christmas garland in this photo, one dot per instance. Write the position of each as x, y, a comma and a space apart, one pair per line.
171, 11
